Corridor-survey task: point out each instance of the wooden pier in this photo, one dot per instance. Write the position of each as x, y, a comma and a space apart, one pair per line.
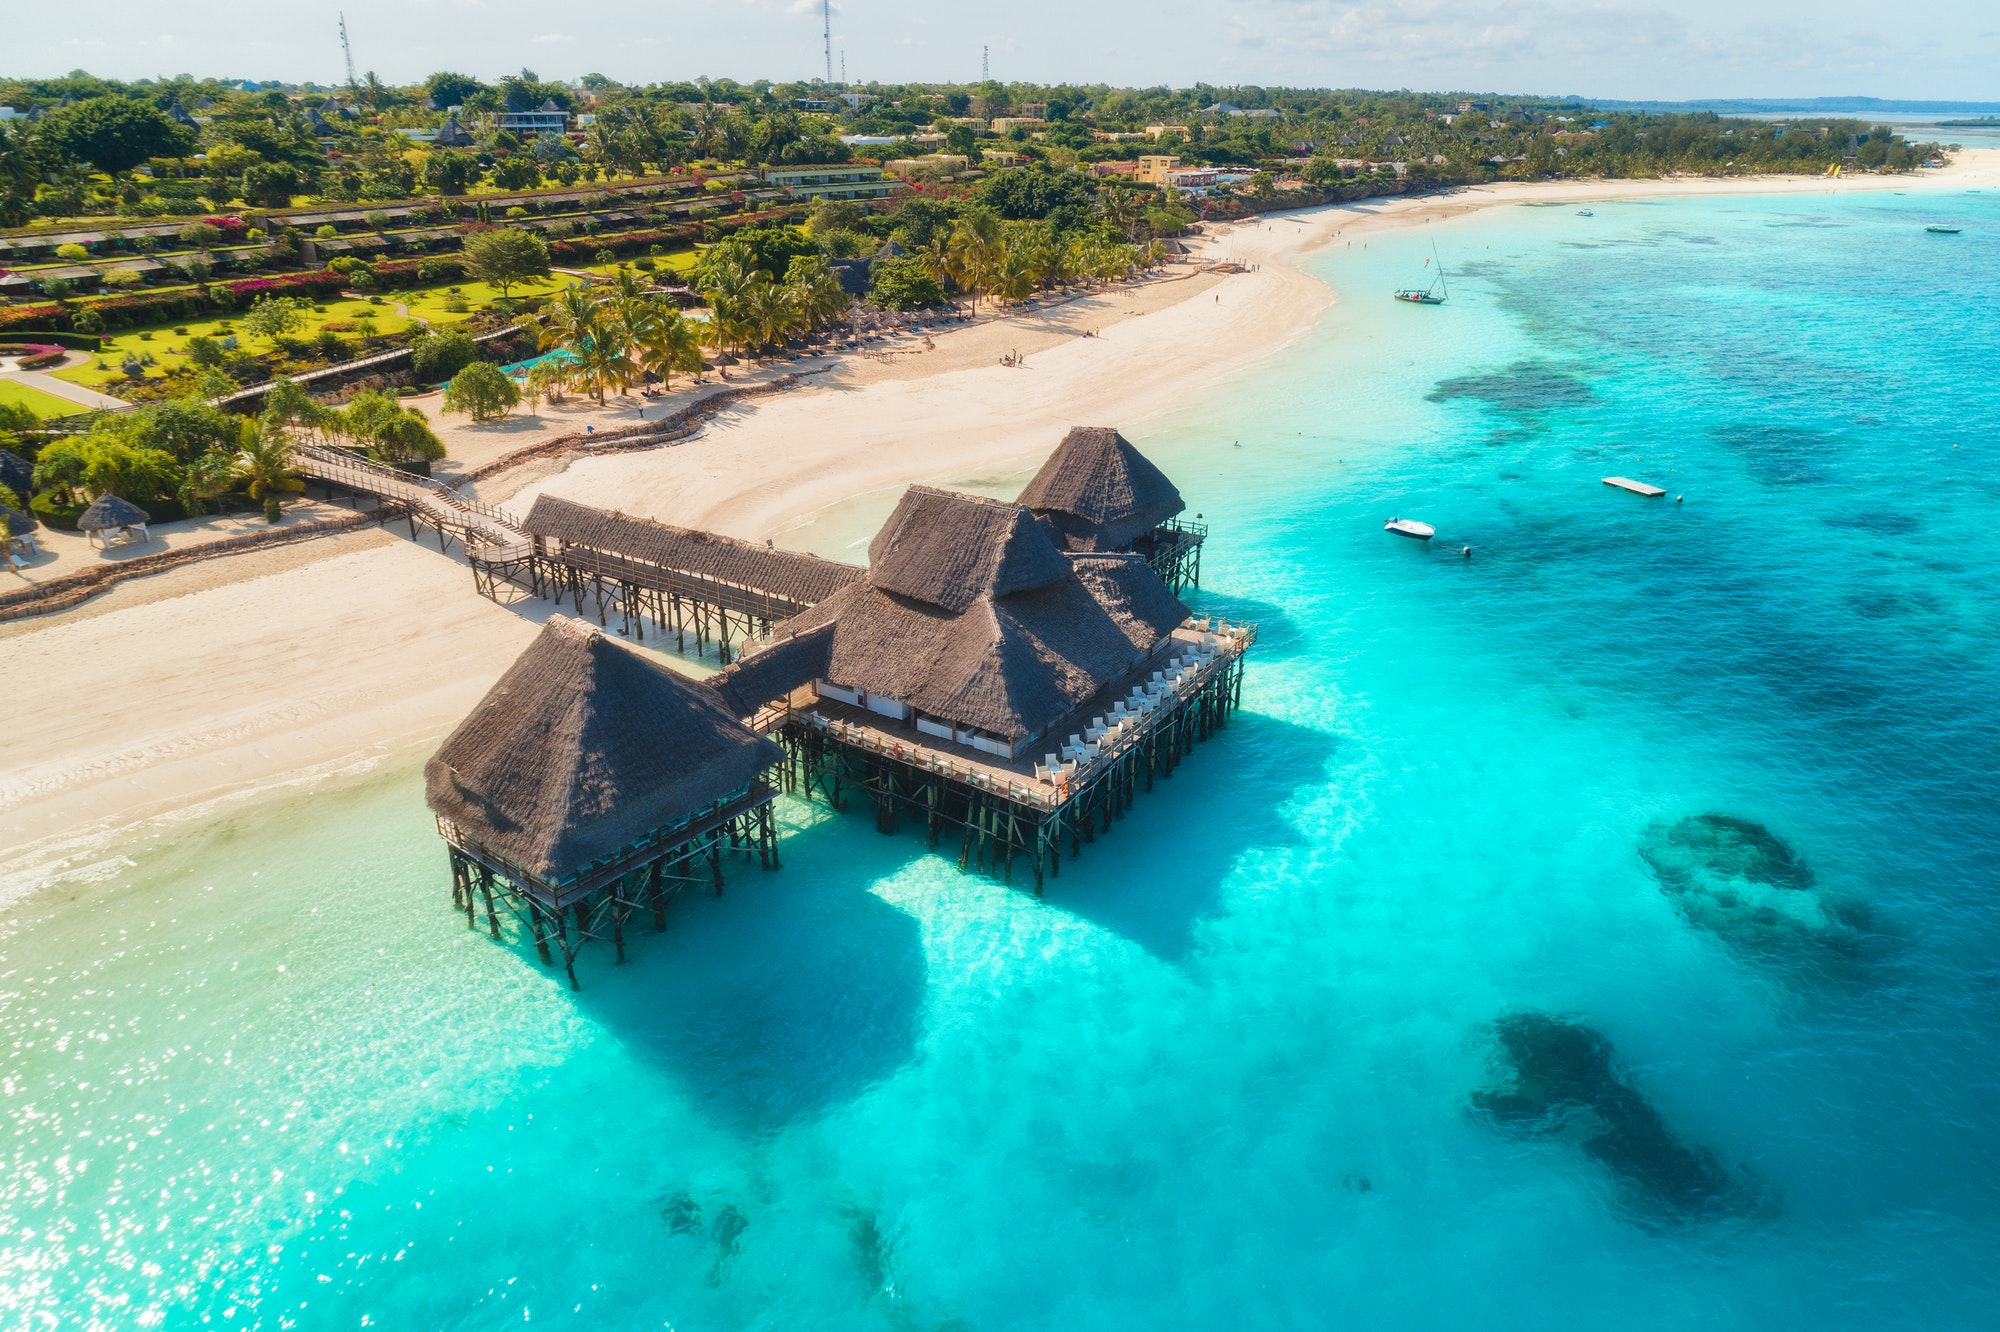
687, 582
1636, 487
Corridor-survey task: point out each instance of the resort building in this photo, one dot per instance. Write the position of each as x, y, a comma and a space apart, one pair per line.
980, 677
592, 783
1153, 168
841, 181
548, 118
451, 134
972, 626
944, 164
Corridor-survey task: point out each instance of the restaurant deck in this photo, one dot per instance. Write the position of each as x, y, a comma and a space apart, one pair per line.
1000, 806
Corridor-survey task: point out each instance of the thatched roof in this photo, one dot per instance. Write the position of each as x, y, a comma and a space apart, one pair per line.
582, 748
801, 578
774, 670
1099, 492
108, 511
19, 524
950, 550
971, 614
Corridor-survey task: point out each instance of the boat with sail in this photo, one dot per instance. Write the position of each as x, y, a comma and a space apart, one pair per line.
1436, 293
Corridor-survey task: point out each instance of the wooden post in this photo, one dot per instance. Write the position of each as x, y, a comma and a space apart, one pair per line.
486, 890
659, 902
541, 928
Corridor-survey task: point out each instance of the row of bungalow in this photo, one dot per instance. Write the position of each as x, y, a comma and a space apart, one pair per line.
1013, 674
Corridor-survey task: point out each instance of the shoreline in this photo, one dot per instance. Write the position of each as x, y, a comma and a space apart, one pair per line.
180, 690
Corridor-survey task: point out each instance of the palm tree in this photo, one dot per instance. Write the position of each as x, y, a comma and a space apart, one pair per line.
604, 359
1121, 208
664, 342
816, 289
715, 130
771, 312
573, 317
1014, 278
976, 250
264, 466
728, 279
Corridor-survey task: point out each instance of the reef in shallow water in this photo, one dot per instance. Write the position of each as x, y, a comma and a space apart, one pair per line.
1740, 881
1561, 1079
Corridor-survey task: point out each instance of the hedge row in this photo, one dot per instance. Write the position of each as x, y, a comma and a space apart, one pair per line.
159, 306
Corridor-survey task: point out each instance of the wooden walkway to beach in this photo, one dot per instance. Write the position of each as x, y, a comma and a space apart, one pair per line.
483, 529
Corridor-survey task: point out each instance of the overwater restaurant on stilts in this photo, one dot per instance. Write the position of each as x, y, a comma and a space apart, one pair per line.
590, 786
1012, 675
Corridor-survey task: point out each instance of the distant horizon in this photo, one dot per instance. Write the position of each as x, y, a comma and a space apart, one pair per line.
1626, 50
1828, 104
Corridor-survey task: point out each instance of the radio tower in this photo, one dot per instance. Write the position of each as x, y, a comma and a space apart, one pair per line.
985, 65
348, 52
826, 35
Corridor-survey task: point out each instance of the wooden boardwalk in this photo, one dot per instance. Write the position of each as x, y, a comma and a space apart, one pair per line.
482, 529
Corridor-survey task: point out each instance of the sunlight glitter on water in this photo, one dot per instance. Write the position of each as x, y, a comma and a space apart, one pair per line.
1298, 1044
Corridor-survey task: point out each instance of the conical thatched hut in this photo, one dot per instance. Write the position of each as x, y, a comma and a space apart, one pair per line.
592, 780
110, 518
971, 624
1097, 492
1100, 493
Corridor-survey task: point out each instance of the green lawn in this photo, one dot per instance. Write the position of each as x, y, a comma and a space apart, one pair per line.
169, 348
430, 304
41, 404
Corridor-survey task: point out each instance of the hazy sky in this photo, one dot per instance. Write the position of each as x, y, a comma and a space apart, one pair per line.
1607, 48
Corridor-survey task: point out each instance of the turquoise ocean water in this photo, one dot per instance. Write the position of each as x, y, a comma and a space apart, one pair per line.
1598, 931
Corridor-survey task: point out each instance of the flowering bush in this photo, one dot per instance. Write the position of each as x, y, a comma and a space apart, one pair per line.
235, 228
40, 356
34, 316
414, 272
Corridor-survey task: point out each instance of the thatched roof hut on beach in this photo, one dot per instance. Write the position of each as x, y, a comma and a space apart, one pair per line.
109, 517
1100, 493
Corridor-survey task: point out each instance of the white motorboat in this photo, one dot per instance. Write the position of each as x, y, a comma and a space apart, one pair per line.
1410, 527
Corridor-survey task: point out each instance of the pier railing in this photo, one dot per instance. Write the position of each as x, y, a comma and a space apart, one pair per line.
486, 526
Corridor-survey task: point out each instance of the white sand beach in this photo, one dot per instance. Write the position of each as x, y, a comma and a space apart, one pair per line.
250, 670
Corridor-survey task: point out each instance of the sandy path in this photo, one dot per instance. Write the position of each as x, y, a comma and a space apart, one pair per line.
185, 691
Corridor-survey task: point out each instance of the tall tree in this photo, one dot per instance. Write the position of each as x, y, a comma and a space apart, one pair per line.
114, 134
446, 88
506, 257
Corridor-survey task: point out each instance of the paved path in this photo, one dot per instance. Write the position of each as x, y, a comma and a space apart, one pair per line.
62, 388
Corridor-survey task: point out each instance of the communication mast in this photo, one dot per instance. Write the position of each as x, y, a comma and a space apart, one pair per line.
347, 52
985, 64
826, 35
